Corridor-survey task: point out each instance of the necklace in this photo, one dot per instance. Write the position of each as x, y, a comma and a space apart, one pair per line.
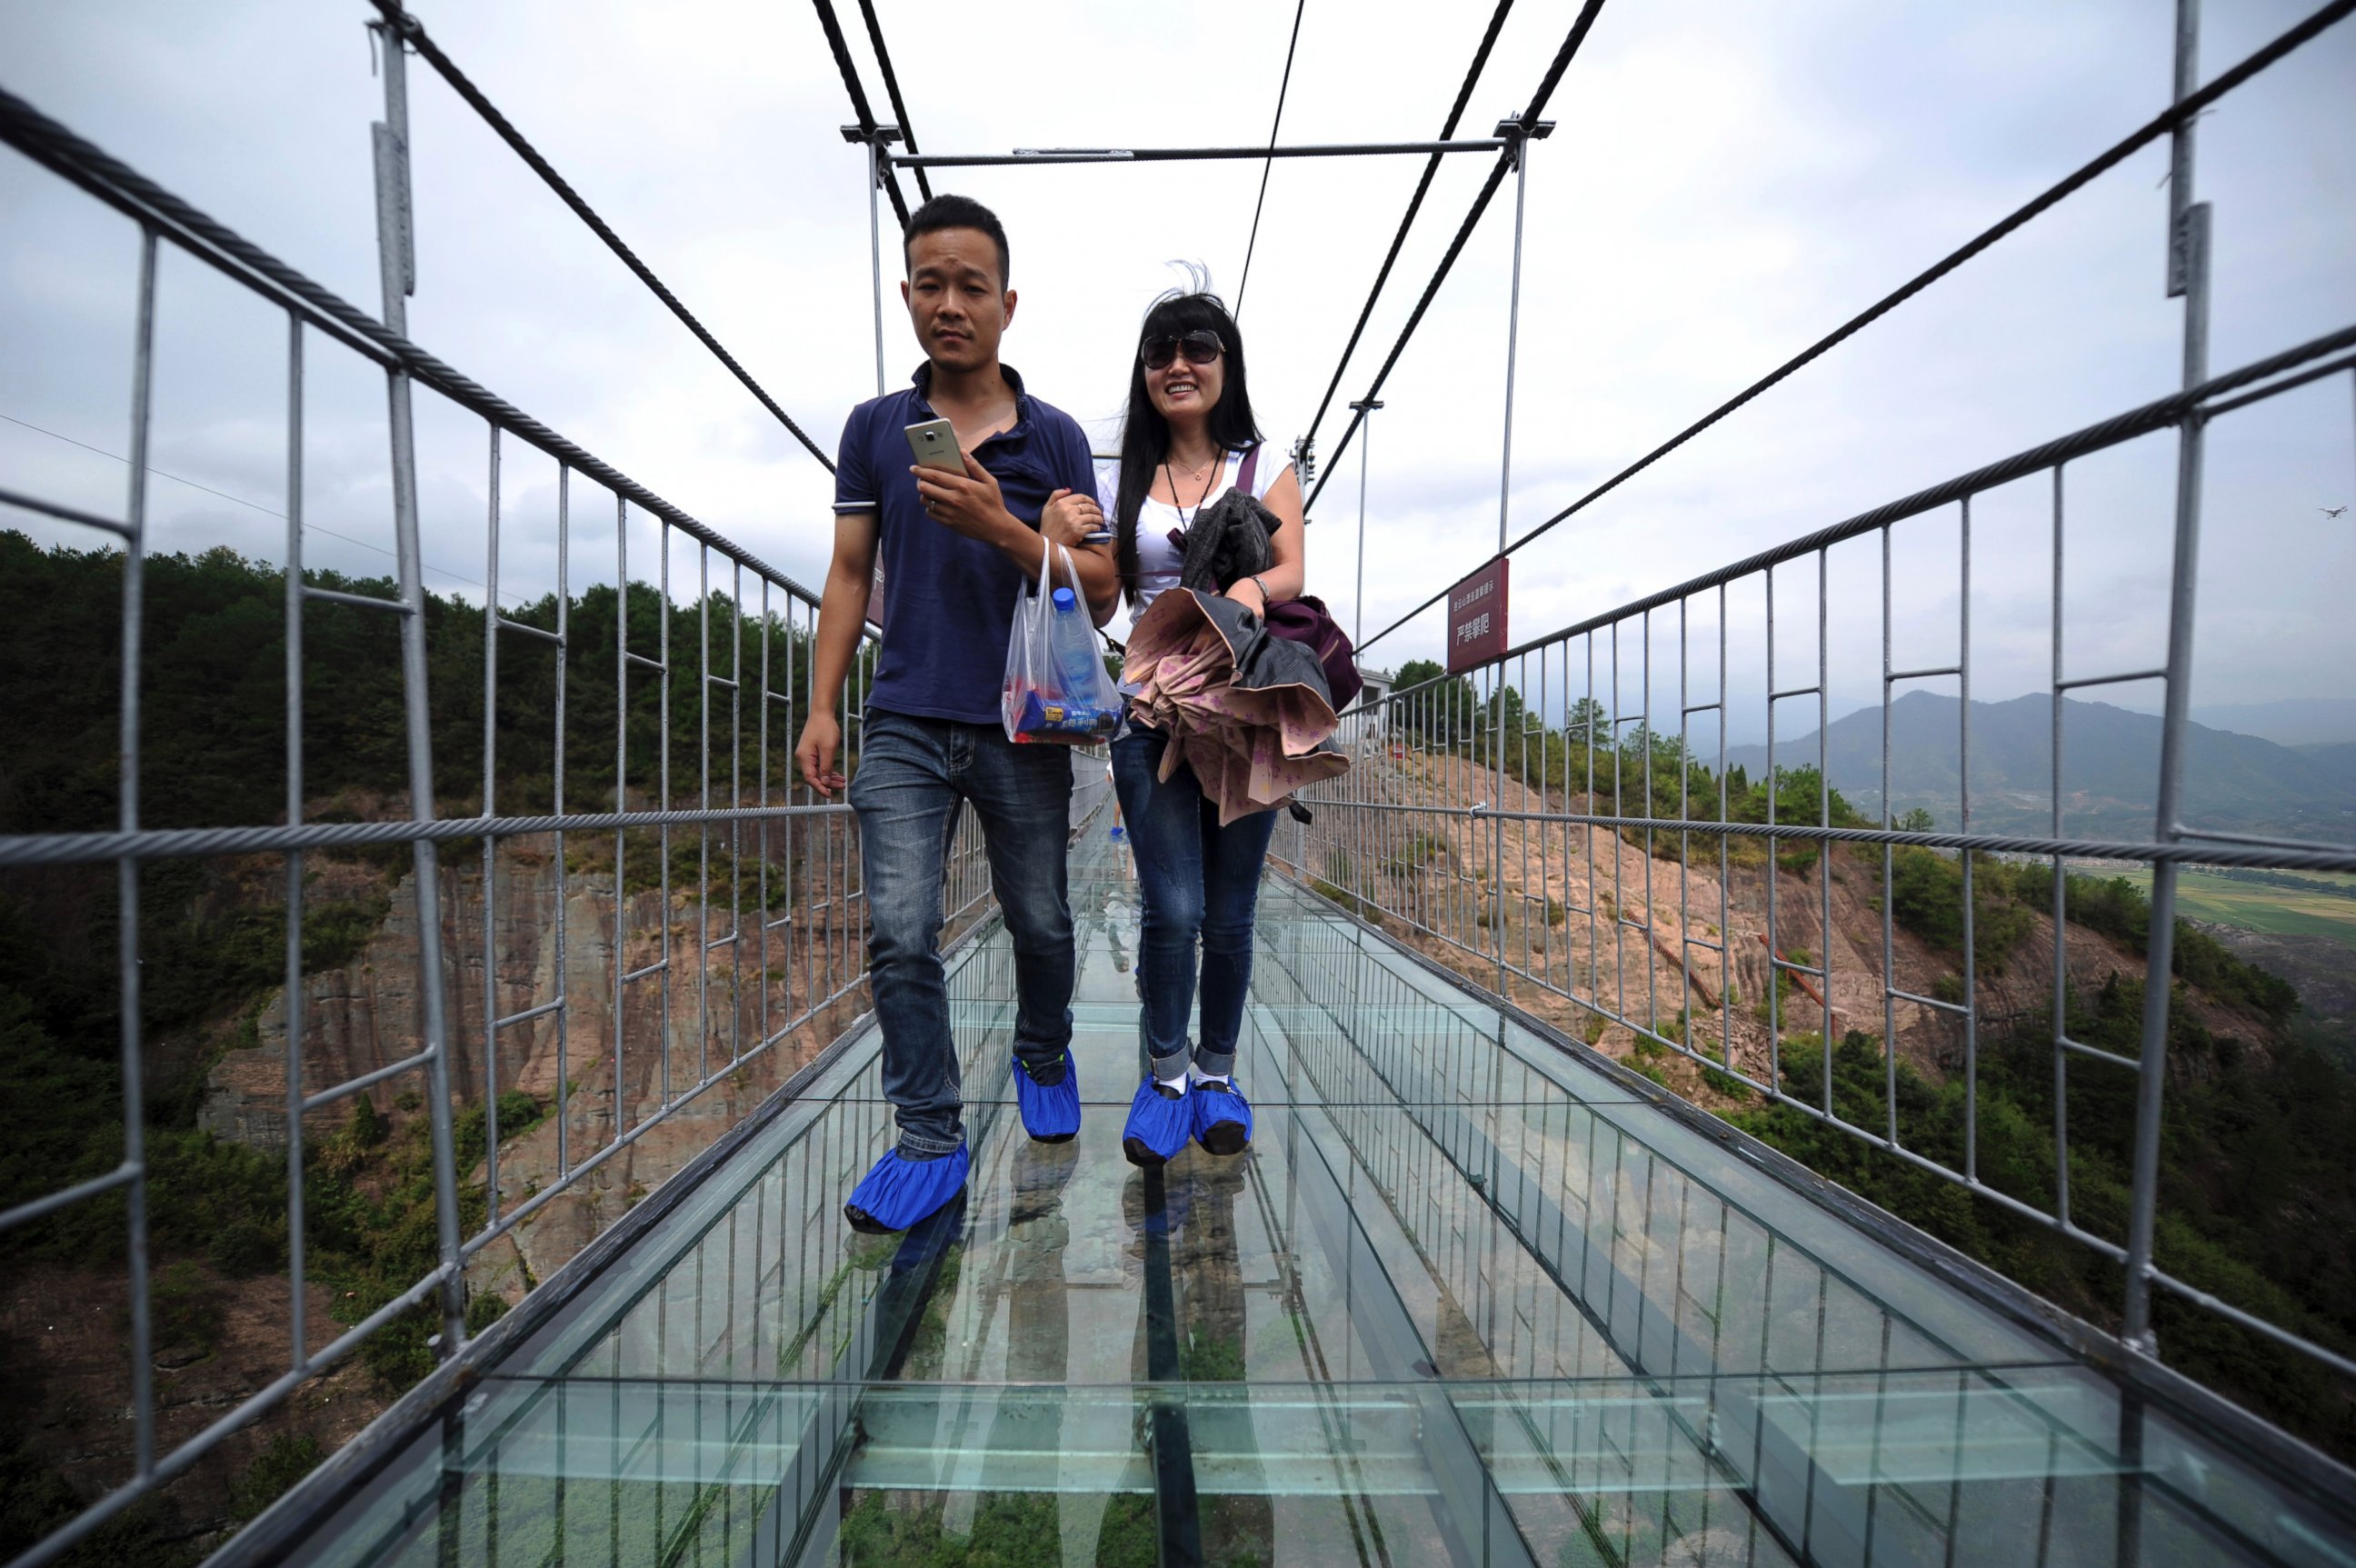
1207, 471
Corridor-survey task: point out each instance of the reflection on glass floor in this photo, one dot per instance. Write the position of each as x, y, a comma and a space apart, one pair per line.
1464, 1300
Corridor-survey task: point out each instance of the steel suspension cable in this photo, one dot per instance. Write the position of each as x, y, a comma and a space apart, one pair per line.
2159, 126
1528, 119
891, 90
409, 28
859, 106
1414, 206
1282, 87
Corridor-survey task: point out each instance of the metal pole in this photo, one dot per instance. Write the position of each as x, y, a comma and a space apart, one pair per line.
876, 253
490, 892
396, 259
875, 140
1518, 139
297, 1330
126, 875
2189, 251
1365, 409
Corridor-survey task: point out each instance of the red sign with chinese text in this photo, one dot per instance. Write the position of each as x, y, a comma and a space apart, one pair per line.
1477, 618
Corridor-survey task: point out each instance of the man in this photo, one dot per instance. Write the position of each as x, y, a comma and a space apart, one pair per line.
956, 552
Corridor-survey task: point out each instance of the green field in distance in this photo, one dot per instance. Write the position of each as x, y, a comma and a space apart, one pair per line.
2253, 907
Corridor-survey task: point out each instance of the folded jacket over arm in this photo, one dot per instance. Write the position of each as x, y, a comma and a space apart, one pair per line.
1248, 712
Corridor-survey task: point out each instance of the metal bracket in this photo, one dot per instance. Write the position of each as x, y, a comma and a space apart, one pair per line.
396, 232
392, 202
2182, 244
1509, 131
878, 138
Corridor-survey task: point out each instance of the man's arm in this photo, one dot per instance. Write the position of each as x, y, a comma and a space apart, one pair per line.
841, 615
974, 506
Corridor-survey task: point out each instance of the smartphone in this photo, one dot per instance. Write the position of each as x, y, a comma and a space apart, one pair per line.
934, 444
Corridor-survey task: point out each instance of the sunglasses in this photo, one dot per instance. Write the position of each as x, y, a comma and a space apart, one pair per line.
1200, 349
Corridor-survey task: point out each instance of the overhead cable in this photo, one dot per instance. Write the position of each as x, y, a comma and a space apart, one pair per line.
409, 28
1528, 121
1282, 88
859, 106
1414, 206
2180, 112
892, 87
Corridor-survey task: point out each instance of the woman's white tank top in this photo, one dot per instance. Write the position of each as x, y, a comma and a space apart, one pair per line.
1158, 560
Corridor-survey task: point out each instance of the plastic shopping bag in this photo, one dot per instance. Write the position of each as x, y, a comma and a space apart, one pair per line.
1056, 688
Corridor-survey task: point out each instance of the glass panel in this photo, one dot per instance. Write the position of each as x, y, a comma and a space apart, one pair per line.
1464, 1300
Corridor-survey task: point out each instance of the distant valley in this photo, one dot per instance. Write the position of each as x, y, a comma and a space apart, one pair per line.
2110, 756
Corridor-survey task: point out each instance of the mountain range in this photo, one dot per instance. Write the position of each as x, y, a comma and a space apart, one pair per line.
2291, 721
2109, 777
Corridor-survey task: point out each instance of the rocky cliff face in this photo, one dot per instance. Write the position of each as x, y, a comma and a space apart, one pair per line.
1576, 902
617, 1059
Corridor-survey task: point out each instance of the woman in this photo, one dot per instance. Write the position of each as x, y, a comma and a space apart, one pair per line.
1189, 438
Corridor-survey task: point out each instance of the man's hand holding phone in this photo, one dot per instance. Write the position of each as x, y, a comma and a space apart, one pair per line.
969, 503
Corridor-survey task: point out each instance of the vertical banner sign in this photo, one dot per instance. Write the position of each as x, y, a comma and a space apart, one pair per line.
1477, 618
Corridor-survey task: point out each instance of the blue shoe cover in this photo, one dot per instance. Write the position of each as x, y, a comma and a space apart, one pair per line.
1223, 1117
1051, 1112
1159, 1122
899, 1192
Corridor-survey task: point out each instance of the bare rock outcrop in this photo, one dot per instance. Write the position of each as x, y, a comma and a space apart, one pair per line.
699, 1005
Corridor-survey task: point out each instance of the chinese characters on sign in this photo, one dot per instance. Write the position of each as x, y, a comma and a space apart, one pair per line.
1477, 618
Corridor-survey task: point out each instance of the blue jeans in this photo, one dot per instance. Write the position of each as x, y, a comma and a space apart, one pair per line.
1197, 879
912, 776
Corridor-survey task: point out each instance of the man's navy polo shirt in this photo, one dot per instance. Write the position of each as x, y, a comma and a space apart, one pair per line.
949, 601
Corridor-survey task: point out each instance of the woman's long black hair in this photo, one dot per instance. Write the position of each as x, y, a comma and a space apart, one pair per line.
1145, 434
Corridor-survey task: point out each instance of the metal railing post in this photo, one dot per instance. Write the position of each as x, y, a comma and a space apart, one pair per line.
396, 256
126, 875
297, 1332
2188, 275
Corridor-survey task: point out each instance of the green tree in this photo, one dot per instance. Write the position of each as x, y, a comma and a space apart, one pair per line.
1435, 709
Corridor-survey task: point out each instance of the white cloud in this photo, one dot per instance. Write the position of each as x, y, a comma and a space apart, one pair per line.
1728, 182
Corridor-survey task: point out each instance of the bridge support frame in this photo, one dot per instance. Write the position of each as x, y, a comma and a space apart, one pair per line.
396, 261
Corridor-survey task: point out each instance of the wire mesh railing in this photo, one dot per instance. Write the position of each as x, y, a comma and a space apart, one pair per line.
643, 911
1520, 820
1573, 826
1538, 820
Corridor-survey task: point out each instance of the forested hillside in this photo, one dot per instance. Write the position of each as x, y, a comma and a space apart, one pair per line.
212, 945
2258, 1196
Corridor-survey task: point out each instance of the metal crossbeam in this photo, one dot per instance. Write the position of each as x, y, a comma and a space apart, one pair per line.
1188, 155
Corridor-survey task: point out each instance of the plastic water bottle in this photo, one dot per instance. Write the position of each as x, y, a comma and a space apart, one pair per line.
1076, 649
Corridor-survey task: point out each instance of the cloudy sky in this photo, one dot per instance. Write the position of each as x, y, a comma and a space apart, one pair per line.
1729, 180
